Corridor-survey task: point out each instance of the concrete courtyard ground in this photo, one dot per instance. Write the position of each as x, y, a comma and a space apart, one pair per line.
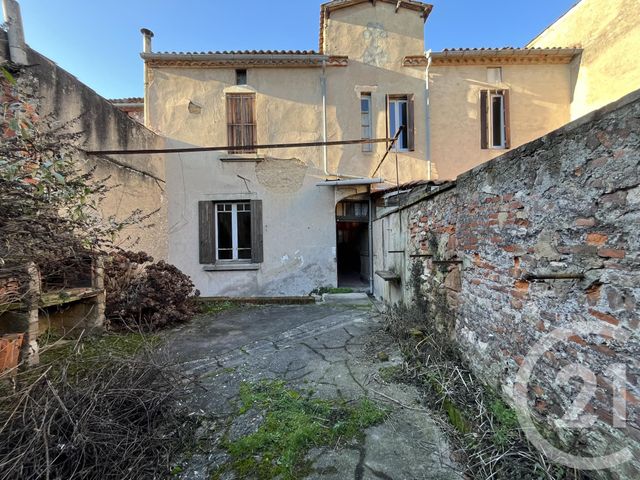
332, 349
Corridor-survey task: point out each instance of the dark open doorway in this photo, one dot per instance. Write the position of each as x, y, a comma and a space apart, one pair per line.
352, 229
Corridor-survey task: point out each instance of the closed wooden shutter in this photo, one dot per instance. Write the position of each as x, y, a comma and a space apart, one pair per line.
484, 141
207, 232
411, 129
257, 254
507, 124
241, 121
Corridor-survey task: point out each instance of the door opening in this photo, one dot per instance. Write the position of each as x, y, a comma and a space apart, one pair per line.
352, 229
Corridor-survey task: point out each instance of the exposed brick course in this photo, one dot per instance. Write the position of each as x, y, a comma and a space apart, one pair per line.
565, 211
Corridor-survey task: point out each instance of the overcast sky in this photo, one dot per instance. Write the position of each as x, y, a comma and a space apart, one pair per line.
99, 40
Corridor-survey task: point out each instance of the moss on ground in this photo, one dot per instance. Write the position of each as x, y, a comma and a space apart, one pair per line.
391, 373
83, 354
214, 308
294, 423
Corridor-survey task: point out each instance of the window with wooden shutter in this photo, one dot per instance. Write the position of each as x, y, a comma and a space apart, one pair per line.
241, 122
230, 232
494, 119
401, 114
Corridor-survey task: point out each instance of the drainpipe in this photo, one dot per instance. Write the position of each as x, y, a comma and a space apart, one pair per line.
147, 35
323, 84
428, 110
15, 32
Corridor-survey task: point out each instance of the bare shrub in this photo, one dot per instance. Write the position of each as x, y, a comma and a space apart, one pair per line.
147, 295
104, 417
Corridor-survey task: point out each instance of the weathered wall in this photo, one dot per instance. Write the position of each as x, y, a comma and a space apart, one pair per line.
609, 33
299, 217
137, 182
376, 39
565, 204
539, 98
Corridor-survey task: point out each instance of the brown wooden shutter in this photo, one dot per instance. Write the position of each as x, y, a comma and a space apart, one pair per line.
484, 141
241, 121
207, 232
257, 254
507, 123
411, 129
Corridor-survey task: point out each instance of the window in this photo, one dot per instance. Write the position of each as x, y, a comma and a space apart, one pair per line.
241, 123
230, 232
400, 114
494, 119
233, 224
494, 75
241, 77
365, 114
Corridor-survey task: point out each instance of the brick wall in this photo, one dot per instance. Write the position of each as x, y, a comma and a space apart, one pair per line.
545, 237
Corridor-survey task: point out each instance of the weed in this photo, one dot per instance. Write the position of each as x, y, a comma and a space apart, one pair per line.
214, 308
294, 422
388, 374
323, 290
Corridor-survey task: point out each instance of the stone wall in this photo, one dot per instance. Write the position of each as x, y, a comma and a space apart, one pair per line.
542, 238
136, 182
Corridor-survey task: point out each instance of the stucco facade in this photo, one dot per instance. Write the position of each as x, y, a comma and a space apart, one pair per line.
367, 50
608, 32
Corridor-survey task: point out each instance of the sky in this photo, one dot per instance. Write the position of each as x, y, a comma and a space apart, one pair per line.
99, 41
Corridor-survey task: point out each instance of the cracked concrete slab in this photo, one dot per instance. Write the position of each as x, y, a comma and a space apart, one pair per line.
333, 350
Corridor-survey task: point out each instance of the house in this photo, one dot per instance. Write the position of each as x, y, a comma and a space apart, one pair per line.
264, 215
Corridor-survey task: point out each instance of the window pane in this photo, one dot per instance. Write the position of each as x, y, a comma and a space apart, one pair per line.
244, 230
364, 105
244, 254
496, 121
224, 230
225, 255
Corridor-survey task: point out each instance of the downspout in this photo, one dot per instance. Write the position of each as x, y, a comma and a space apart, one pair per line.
428, 113
371, 266
323, 85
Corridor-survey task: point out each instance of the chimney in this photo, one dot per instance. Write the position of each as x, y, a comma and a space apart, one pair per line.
15, 32
147, 35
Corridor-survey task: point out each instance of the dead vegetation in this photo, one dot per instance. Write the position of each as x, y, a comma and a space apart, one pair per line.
490, 442
105, 408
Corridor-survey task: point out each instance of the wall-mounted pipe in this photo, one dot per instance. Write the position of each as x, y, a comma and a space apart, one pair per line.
428, 116
15, 32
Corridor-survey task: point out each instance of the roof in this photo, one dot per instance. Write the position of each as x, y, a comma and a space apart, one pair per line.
243, 58
326, 8
495, 56
126, 100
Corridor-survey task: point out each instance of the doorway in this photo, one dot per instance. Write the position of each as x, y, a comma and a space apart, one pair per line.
352, 230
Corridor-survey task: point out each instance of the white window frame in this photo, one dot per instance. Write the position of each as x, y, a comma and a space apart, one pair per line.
503, 140
234, 232
398, 121
366, 97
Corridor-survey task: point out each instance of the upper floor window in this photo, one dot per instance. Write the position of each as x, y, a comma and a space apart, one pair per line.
494, 119
241, 77
494, 75
241, 121
401, 114
366, 116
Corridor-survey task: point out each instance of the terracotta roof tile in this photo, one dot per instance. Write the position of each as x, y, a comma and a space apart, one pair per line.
126, 100
245, 52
